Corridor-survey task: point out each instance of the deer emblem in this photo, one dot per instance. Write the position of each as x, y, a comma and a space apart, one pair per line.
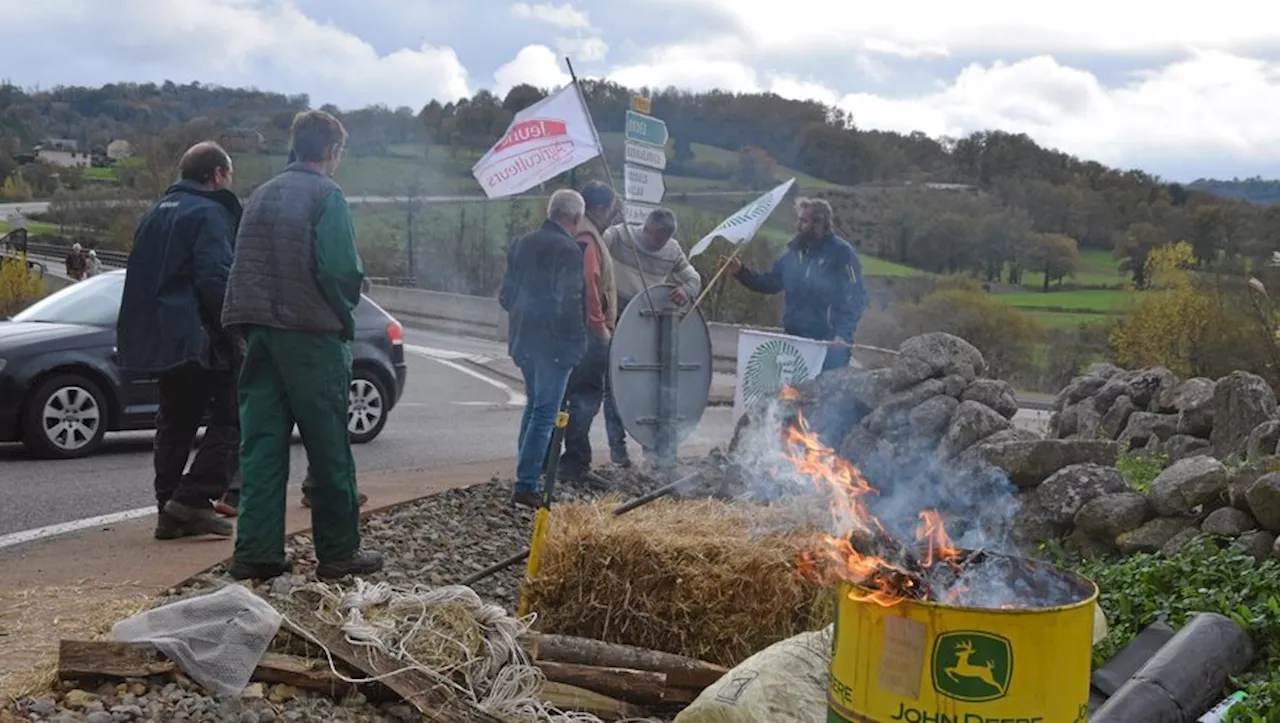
964, 669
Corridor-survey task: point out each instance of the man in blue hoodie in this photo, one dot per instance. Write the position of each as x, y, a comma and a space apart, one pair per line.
169, 326
821, 275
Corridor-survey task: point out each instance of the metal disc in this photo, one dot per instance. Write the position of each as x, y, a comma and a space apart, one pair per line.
633, 365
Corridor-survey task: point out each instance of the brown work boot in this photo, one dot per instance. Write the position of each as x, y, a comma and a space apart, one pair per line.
525, 498
196, 520
363, 562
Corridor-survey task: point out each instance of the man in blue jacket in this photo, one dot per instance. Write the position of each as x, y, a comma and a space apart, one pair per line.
821, 275
544, 294
169, 326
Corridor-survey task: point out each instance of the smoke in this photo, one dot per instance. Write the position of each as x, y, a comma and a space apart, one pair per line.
976, 503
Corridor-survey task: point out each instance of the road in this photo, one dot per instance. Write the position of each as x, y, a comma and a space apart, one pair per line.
450, 414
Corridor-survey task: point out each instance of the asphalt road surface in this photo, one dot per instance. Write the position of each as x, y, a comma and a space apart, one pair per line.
447, 416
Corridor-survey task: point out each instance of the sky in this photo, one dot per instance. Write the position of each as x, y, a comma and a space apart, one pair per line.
1181, 92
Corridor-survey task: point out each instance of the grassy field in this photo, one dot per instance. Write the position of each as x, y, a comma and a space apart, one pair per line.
1097, 268
32, 227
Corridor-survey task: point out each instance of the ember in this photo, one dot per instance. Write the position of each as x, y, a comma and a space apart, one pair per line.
863, 552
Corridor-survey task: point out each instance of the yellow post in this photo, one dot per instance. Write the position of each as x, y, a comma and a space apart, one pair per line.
541, 516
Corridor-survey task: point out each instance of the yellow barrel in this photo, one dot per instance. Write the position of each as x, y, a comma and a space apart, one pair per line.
920, 662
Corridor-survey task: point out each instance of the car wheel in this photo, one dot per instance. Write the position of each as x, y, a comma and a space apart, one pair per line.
366, 406
66, 417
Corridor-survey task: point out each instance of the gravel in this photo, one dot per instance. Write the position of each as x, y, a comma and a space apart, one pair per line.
435, 541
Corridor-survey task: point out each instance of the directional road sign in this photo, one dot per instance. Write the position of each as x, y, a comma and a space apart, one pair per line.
640, 104
643, 185
648, 156
646, 129
636, 213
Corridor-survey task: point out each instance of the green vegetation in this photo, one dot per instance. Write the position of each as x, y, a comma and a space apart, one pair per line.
1108, 301
1203, 577
33, 227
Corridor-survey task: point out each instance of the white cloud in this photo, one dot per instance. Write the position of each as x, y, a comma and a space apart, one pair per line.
535, 65
588, 50
1212, 104
266, 43
931, 27
563, 15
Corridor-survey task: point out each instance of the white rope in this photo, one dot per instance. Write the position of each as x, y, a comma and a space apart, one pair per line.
499, 680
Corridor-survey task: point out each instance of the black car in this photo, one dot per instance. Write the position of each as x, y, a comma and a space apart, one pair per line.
61, 390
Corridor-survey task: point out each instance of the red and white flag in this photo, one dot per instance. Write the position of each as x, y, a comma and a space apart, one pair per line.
543, 141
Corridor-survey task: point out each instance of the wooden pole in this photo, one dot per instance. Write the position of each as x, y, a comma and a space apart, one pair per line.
715, 278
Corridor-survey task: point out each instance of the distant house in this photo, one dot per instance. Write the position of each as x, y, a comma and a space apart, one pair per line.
63, 152
242, 140
119, 149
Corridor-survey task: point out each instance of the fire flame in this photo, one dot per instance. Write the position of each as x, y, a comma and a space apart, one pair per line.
858, 554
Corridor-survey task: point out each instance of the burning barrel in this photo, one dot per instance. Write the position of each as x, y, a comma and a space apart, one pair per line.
1010, 640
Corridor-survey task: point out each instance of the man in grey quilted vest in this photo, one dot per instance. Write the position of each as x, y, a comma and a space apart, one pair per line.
294, 284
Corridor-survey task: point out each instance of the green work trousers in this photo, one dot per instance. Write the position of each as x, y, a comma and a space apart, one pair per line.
297, 377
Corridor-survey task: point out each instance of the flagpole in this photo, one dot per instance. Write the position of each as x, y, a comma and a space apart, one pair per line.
626, 227
715, 278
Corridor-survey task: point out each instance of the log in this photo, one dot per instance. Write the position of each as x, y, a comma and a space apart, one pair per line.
568, 697
435, 702
633, 686
681, 671
81, 659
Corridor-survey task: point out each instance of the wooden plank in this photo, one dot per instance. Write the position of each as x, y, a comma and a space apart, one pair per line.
681, 671
416, 688
79, 659
568, 697
633, 686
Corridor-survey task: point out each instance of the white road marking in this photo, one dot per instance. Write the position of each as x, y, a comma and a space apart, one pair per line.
446, 357
63, 528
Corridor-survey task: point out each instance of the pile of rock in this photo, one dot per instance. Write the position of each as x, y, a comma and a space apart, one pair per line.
1152, 409
1094, 506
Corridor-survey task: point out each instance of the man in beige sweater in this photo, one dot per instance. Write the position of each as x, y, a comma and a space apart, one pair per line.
648, 254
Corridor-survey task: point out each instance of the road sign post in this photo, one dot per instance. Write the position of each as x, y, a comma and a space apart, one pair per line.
645, 155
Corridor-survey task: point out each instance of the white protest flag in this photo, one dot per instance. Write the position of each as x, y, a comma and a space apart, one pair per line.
543, 141
741, 226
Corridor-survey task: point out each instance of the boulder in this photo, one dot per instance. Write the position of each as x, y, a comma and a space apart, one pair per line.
860, 445
1078, 389
971, 423
1142, 426
929, 419
1264, 501
894, 410
1187, 484
1089, 547
953, 385
1190, 394
1117, 417
910, 371
1104, 370
1028, 462
1064, 424
1088, 421
1243, 477
1106, 397
1181, 446
1152, 535
1146, 386
1241, 401
1108, 516
1032, 523
1179, 541
1263, 440
1068, 489
946, 354
994, 393
1228, 522
1260, 544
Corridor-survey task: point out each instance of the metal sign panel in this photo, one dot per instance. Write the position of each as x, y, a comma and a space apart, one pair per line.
634, 365
646, 129
643, 185
641, 104
637, 213
647, 156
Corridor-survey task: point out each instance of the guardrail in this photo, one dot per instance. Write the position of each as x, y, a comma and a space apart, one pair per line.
110, 259
483, 317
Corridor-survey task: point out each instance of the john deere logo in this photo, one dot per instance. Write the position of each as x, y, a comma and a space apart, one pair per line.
972, 666
773, 364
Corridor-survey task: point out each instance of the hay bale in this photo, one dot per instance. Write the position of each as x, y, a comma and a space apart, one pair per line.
708, 579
